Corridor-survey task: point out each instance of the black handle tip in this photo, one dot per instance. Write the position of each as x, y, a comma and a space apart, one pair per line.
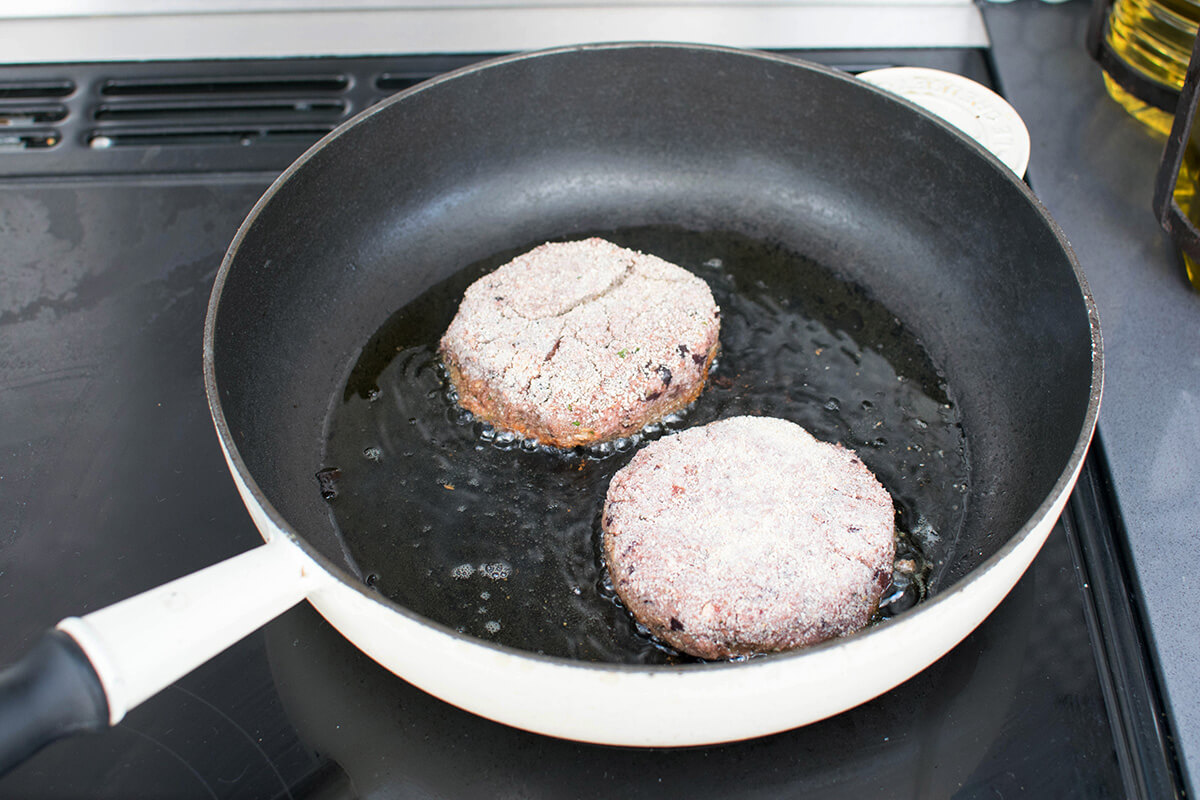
50, 693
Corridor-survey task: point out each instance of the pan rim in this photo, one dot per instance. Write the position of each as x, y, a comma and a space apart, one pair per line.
1061, 487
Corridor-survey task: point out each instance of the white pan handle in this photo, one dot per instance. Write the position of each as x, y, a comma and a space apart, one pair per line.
142, 645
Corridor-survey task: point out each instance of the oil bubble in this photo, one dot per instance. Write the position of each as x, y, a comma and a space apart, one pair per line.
601, 449
462, 571
497, 571
491, 626
327, 479
674, 420
457, 415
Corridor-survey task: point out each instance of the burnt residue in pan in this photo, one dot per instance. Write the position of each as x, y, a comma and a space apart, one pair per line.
500, 539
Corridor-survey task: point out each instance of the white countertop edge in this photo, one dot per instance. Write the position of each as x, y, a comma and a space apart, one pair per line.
94, 8
481, 30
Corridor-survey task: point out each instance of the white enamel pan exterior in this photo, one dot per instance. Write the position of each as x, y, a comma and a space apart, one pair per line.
143, 644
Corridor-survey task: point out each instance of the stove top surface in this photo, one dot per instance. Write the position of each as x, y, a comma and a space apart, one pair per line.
115, 483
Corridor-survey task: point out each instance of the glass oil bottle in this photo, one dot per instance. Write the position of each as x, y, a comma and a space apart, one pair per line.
1144, 48
1153, 38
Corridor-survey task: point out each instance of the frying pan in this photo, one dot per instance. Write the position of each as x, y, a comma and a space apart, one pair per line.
542, 145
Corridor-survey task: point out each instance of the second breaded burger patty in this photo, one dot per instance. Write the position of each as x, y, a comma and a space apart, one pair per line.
748, 535
575, 343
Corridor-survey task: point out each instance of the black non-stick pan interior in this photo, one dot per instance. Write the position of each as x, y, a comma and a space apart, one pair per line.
544, 146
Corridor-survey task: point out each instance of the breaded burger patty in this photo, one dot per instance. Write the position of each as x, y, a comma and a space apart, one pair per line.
746, 536
575, 343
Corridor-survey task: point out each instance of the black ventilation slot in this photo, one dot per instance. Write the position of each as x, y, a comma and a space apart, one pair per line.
23, 114
166, 137
184, 85
220, 110
396, 81
32, 89
28, 140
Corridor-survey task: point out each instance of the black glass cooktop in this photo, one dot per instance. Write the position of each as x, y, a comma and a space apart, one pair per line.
113, 482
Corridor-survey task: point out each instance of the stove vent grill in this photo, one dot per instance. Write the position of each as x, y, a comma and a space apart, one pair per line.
254, 115
30, 111
217, 109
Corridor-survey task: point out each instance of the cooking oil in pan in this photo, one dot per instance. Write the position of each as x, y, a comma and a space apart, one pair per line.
499, 538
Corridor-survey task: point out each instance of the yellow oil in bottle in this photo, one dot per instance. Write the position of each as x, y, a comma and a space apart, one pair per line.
1193, 271
1153, 118
1154, 38
1185, 195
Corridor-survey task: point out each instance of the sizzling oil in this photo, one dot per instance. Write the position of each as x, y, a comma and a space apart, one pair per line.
500, 539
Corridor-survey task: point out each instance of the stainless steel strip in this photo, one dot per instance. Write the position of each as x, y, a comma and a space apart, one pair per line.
483, 29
